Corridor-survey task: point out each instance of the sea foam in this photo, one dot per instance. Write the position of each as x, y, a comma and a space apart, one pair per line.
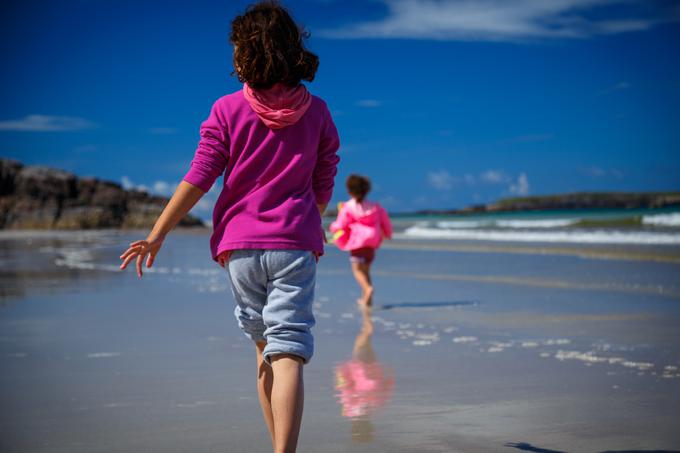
581, 237
672, 219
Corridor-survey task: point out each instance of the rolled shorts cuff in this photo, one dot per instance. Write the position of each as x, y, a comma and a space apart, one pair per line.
273, 349
257, 337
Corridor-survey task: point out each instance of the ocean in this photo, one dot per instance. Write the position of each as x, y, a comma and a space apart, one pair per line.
596, 226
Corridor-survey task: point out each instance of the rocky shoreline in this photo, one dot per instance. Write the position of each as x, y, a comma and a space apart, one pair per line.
40, 197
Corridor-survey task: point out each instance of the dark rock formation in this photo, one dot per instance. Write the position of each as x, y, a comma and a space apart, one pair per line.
42, 197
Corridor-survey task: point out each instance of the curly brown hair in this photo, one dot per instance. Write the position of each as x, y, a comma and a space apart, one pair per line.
268, 47
358, 186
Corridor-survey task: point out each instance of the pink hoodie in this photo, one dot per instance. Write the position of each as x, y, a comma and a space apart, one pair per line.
277, 152
364, 225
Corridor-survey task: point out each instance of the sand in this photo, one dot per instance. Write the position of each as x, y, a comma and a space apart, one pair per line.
468, 349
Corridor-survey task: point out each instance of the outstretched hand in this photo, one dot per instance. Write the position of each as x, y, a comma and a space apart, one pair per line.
139, 249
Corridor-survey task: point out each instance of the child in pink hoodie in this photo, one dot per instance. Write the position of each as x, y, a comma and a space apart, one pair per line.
360, 228
275, 145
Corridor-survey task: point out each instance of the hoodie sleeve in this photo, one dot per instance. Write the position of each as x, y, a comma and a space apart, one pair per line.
385, 223
212, 153
342, 221
327, 160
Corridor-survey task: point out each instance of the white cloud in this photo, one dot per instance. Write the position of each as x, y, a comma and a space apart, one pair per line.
618, 87
440, 180
369, 103
521, 187
127, 184
469, 179
390, 202
202, 209
443, 180
164, 188
46, 123
594, 172
598, 172
203, 205
499, 20
494, 177
421, 200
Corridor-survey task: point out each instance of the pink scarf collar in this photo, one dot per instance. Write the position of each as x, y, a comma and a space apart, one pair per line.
280, 105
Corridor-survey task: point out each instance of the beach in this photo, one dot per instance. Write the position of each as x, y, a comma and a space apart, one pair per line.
472, 346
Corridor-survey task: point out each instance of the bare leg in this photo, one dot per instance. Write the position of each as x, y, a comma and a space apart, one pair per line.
363, 277
265, 379
369, 296
287, 401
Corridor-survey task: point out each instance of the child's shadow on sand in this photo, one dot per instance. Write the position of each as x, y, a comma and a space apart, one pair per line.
528, 447
460, 303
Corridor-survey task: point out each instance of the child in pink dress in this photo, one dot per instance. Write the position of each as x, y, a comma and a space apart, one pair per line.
360, 228
362, 383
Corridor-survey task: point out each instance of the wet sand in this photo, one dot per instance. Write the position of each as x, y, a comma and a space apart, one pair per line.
469, 348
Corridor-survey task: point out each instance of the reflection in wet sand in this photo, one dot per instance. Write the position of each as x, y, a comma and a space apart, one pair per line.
362, 383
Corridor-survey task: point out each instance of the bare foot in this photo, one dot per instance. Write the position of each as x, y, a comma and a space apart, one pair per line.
366, 299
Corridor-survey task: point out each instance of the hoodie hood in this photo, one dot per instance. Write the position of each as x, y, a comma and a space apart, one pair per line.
280, 105
360, 210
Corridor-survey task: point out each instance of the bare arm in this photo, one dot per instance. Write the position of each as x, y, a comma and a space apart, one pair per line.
209, 162
185, 197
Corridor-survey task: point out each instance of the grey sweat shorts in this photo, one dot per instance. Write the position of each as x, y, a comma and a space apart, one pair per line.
274, 294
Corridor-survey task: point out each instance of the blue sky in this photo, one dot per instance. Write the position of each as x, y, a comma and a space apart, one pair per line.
442, 103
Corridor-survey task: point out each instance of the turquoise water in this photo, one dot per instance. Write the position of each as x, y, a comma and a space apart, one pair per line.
589, 214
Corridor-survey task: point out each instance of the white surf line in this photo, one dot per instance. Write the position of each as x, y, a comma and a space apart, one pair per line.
598, 236
669, 219
535, 282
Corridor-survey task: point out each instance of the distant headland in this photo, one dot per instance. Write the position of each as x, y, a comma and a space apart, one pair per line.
570, 201
40, 197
